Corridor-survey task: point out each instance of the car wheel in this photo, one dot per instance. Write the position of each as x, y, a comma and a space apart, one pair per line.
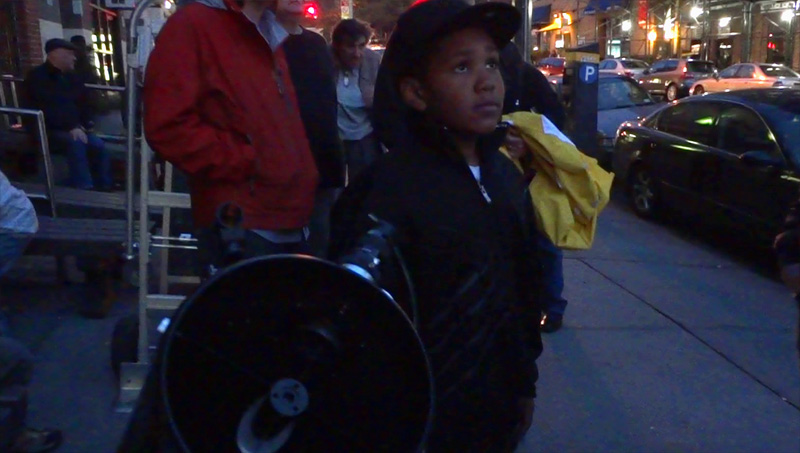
642, 192
699, 90
672, 92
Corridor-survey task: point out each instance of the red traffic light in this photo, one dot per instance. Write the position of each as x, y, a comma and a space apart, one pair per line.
311, 10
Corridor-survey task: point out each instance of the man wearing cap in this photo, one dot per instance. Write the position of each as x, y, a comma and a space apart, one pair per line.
55, 89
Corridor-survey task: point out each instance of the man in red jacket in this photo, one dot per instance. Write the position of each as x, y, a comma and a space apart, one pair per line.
219, 104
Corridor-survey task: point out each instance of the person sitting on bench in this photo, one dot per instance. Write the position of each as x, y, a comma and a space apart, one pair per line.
54, 88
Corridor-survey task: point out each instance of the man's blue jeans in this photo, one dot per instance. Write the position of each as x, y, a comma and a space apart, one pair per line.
552, 276
84, 160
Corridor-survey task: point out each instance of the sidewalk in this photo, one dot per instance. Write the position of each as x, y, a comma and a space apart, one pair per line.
668, 345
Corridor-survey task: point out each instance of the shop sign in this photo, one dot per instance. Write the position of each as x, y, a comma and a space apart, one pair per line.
776, 6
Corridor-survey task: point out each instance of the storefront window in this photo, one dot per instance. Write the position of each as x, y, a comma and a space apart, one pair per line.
776, 39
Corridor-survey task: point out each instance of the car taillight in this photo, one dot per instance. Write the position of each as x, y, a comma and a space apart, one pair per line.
685, 74
629, 73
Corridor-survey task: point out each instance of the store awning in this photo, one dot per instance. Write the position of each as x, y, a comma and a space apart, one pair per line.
540, 16
600, 6
551, 27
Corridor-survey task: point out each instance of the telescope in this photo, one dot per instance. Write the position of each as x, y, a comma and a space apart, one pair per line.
290, 353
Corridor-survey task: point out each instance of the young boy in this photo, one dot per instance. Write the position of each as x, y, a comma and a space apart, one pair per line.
463, 222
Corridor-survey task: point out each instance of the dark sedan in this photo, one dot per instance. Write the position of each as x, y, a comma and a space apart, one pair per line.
730, 157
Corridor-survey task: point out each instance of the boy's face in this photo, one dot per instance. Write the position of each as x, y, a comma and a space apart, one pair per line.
462, 87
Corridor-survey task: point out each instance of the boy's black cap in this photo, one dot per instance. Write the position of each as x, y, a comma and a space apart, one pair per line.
58, 43
427, 20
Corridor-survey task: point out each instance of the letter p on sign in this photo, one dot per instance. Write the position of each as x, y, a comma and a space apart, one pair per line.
588, 73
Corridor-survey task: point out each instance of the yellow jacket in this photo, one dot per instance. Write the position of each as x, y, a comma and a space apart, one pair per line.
569, 189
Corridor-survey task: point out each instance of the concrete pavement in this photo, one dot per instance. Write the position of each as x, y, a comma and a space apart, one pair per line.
669, 344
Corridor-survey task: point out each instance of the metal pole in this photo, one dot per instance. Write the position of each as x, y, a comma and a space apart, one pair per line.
706, 30
133, 37
48, 163
6, 121
15, 99
44, 145
678, 29
523, 37
747, 31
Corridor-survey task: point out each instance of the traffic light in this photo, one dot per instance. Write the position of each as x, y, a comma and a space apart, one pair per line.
311, 10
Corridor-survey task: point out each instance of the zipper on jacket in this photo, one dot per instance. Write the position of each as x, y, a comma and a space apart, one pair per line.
484, 193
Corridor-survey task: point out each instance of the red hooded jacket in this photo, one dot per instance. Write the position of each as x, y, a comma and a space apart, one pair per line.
220, 105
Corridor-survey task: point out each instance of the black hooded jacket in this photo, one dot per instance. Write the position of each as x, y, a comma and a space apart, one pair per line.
472, 262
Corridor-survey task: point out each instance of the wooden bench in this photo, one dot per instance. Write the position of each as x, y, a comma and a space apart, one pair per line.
77, 237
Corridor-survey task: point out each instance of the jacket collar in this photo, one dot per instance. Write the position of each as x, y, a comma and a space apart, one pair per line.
267, 25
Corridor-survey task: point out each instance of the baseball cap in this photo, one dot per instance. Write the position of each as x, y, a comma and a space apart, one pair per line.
427, 20
58, 43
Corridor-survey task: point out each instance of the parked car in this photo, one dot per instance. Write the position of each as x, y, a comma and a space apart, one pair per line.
619, 99
674, 77
732, 158
623, 66
748, 75
551, 66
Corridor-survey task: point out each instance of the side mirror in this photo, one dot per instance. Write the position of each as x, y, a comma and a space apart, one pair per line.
646, 71
761, 159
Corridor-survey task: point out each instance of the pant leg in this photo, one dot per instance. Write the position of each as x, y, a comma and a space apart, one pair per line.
359, 154
101, 161
80, 175
320, 221
552, 276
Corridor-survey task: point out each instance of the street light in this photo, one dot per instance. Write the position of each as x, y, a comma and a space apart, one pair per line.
626, 25
652, 36
696, 12
787, 15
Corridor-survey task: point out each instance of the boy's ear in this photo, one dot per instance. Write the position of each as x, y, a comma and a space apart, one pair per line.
413, 94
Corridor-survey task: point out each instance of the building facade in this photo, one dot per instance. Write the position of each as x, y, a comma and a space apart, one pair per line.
723, 31
26, 25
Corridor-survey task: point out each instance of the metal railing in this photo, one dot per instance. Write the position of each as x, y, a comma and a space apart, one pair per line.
130, 139
12, 81
44, 145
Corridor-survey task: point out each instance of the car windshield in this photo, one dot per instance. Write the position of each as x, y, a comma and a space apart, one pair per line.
785, 123
632, 64
616, 93
778, 71
699, 66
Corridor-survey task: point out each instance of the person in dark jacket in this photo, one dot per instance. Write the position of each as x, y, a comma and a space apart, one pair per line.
83, 65
527, 89
313, 74
55, 89
463, 221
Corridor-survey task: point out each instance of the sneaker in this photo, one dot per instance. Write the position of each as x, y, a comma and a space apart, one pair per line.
551, 323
